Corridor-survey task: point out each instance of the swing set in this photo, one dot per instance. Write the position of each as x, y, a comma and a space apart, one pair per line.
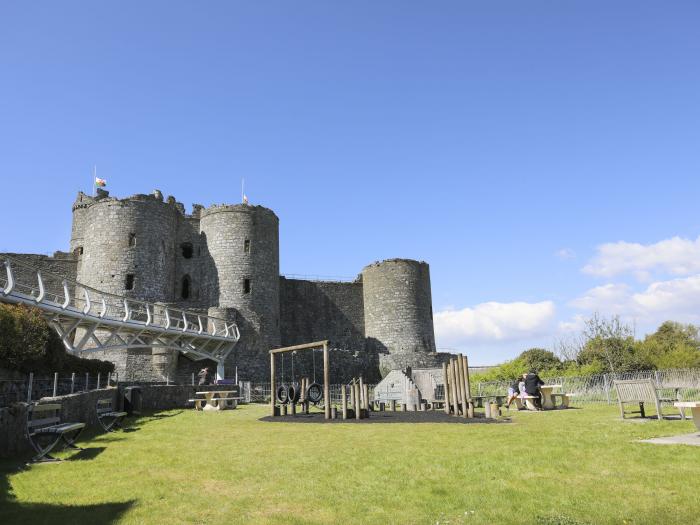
290, 394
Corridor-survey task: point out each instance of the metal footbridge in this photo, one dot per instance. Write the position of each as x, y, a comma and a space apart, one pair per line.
88, 320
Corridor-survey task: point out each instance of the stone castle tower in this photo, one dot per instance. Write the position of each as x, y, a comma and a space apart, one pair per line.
224, 260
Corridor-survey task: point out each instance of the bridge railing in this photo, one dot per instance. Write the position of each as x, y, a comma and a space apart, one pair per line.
43, 287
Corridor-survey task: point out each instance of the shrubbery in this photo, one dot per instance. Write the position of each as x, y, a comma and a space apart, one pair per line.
604, 346
29, 344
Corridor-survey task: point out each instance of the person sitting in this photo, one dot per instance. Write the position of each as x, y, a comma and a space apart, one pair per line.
513, 392
532, 387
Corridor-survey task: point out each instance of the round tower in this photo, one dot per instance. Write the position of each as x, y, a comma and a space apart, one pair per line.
129, 247
243, 244
398, 313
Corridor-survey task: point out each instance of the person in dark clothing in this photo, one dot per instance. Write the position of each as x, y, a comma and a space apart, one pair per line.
532, 387
203, 376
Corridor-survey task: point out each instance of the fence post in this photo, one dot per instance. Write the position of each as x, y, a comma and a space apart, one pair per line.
55, 384
98, 380
658, 380
606, 386
87, 381
72, 382
192, 378
167, 379
29, 387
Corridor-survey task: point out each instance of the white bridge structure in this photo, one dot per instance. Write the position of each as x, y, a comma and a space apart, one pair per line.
88, 320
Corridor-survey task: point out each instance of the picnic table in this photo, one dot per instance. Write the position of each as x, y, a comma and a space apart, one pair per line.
210, 401
694, 407
547, 400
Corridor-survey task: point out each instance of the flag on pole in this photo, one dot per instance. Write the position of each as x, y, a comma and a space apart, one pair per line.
100, 182
245, 199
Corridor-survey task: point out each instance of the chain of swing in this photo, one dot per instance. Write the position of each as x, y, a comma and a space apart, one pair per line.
291, 392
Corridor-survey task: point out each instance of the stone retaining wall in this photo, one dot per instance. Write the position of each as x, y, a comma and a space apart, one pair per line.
80, 407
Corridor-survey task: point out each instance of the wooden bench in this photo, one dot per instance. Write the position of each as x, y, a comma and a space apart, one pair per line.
639, 391
107, 417
45, 430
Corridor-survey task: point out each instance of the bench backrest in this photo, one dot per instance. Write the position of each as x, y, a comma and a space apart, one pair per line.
636, 390
104, 405
42, 416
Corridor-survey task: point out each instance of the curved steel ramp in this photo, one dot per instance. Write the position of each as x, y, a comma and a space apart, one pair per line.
88, 320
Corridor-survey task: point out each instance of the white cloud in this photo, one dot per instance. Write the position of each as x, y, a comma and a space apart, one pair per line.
493, 322
565, 254
676, 256
677, 299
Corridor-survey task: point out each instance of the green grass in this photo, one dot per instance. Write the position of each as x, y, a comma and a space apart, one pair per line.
562, 467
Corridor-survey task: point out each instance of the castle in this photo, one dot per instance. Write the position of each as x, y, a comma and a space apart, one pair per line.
224, 261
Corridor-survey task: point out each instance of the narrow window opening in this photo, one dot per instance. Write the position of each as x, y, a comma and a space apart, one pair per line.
132, 239
187, 250
185, 292
246, 246
78, 250
246, 285
129, 284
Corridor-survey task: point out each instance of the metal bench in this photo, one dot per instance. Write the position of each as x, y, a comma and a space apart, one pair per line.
45, 430
639, 391
107, 417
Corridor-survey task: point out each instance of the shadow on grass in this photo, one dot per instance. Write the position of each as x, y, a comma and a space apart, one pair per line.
87, 453
12, 511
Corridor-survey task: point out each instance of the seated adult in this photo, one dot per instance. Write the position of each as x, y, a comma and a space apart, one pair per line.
513, 392
532, 387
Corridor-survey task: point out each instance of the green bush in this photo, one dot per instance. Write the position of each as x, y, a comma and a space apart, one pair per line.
29, 344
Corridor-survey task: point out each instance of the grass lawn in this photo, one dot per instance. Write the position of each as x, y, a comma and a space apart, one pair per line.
562, 467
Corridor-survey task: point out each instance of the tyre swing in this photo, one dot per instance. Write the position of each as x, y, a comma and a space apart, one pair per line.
314, 392
293, 390
282, 391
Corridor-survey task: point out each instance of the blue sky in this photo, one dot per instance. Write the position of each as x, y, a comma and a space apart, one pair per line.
543, 157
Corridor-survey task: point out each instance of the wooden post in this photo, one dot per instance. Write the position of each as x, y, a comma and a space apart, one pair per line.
467, 385
334, 413
326, 383
344, 401
446, 388
72, 382
272, 384
55, 383
365, 395
455, 389
392, 405
362, 394
358, 405
352, 394
462, 389
283, 410
293, 408
98, 380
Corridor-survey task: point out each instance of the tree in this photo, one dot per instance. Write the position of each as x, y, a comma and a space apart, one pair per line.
609, 345
673, 345
539, 359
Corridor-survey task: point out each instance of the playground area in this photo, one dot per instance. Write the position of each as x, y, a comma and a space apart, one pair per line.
579, 466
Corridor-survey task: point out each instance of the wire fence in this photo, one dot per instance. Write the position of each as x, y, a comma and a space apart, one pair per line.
681, 384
